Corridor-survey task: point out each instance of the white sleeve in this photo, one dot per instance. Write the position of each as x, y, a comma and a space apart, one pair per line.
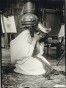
44, 59
41, 48
31, 49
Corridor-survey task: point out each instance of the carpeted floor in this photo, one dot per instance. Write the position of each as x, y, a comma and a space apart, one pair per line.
11, 79
14, 80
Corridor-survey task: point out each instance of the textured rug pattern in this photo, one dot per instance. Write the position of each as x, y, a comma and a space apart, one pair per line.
15, 80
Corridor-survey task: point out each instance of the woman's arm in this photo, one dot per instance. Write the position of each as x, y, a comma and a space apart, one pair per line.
34, 43
41, 45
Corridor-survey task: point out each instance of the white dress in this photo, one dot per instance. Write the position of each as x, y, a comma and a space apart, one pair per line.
21, 55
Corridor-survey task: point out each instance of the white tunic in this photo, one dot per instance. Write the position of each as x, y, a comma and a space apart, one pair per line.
21, 55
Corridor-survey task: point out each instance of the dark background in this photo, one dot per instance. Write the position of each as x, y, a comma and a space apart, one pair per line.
43, 3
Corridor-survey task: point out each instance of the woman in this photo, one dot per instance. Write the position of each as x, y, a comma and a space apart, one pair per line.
26, 52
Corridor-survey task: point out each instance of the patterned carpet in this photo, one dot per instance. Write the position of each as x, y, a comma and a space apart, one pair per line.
11, 79
15, 80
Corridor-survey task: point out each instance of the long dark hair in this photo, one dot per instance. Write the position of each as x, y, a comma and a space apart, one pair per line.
32, 30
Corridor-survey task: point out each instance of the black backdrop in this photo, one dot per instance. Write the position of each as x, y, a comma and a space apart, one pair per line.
44, 3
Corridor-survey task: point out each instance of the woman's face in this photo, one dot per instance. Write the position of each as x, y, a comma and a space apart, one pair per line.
41, 34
